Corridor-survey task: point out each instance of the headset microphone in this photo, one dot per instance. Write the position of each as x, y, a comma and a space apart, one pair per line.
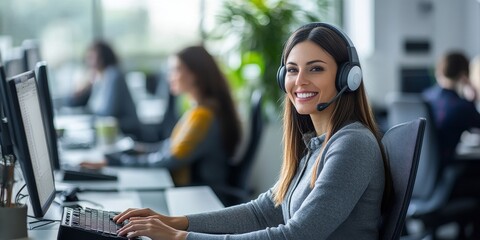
322, 106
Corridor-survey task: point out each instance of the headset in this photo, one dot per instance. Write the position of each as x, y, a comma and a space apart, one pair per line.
349, 74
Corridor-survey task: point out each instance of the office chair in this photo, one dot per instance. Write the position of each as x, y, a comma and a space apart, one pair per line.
403, 144
160, 127
431, 201
239, 190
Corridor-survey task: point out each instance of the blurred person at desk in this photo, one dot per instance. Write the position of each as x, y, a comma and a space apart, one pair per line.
451, 113
105, 93
335, 172
206, 136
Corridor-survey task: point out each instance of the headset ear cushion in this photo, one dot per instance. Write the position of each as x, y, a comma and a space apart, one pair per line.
354, 77
349, 75
281, 78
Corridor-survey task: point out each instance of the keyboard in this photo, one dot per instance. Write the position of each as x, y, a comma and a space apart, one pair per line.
85, 174
88, 223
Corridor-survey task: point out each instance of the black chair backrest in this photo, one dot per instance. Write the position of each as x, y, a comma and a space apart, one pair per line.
403, 107
240, 171
403, 144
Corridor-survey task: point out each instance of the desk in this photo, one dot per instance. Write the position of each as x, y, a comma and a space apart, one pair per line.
467, 153
467, 157
468, 149
190, 200
128, 179
199, 199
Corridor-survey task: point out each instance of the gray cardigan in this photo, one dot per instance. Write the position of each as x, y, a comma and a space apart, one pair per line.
344, 204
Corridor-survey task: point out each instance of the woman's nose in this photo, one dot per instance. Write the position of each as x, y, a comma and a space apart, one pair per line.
301, 79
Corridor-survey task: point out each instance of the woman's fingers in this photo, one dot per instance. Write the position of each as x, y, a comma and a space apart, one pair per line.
121, 215
136, 225
151, 227
133, 212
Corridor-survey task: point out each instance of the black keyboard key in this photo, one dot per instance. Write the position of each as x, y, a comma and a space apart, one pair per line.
88, 219
95, 220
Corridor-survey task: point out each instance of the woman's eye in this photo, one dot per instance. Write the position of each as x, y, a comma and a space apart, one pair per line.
317, 69
292, 70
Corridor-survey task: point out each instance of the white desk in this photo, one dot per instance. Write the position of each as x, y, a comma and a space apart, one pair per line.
468, 149
128, 179
467, 153
189, 200
173, 201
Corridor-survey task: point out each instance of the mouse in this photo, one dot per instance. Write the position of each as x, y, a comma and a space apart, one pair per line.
70, 195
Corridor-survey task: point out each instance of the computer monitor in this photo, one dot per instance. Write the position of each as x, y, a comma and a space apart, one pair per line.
5, 113
69, 173
48, 114
416, 79
15, 62
14, 66
31, 53
30, 141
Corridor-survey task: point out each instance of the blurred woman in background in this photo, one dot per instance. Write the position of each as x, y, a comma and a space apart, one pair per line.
105, 93
207, 135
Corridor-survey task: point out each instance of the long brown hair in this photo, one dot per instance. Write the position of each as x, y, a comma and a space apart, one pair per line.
351, 106
215, 92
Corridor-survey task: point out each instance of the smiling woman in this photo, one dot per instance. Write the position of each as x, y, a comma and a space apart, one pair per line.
334, 175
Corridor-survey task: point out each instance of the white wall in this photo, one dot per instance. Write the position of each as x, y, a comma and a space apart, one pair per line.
268, 161
472, 26
448, 25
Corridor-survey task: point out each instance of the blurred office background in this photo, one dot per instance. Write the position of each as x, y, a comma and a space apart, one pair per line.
145, 33
398, 43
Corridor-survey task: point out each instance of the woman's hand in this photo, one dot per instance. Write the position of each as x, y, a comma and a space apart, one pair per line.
134, 212
93, 165
151, 227
178, 223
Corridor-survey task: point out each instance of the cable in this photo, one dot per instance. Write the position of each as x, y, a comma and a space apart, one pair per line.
43, 221
20, 196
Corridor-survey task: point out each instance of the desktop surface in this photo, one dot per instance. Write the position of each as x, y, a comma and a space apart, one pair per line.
128, 179
159, 201
468, 148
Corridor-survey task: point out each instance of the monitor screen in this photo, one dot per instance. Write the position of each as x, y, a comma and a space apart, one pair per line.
417, 79
30, 141
47, 113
